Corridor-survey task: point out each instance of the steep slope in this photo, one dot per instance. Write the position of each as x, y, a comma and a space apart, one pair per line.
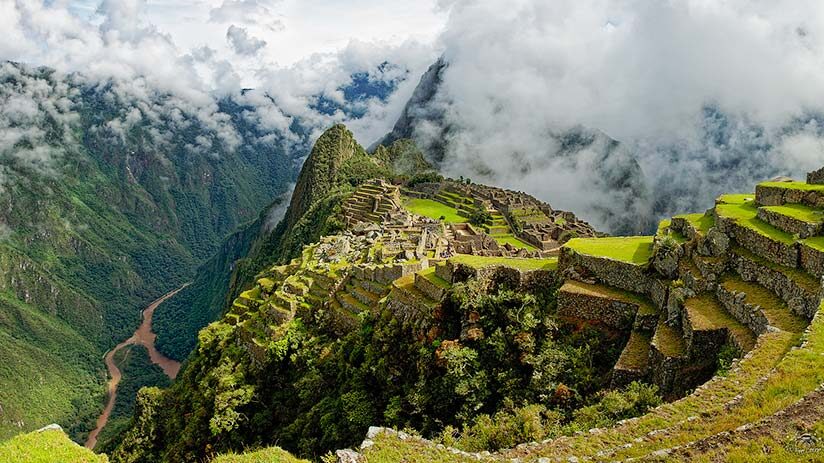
106, 201
48, 445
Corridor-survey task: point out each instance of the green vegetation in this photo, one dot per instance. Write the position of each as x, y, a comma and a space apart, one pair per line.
268, 455
776, 311
510, 239
705, 313
138, 371
803, 186
635, 355
116, 220
51, 446
799, 212
608, 292
816, 243
669, 341
798, 276
429, 274
321, 392
735, 199
635, 250
434, 210
550, 263
700, 222
746, 216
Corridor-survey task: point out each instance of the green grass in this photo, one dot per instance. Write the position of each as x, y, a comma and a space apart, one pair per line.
665, 230
267, 455
700, 222
645, 306
429, 274
800, 212
391, 449
635, 250
705, 313
776, 311
509, 239
746, 216
635, 355
669, 341
798, 276
514, 262
434, 210
735, 199
52, 446
802, 186
816, 243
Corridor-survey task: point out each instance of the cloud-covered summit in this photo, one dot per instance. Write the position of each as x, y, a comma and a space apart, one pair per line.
705, 96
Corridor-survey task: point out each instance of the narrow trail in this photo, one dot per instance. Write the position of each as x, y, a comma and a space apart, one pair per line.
145, 337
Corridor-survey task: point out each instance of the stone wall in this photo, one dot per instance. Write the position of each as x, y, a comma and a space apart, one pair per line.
609, 312
789, 224
614, 273
430, 289
812, 260
816, 177
748, 314
800, 300
776, 196
774, 251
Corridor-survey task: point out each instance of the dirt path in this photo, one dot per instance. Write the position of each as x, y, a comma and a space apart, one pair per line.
145, 337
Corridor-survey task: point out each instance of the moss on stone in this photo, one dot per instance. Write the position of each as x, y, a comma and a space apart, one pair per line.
635, 355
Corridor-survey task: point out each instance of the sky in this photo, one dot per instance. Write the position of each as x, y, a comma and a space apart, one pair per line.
706, 96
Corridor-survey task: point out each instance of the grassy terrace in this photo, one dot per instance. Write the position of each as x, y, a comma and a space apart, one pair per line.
665, 230
700, 222
799, 277
776, 311
735, 199
550, 263
429, 274
509, 239
635, 250
816, 243
799, 212
802, 186
46, 447
705, 313
645, 306
746, 215
635, 355
669, 341
434, 210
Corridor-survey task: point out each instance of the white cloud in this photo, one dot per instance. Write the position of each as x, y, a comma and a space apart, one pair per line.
644, 73
243, 43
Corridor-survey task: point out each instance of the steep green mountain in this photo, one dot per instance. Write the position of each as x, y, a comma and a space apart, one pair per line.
109, 197
336, 164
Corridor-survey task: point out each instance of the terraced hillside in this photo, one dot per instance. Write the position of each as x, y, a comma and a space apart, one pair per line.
746, 275
702, 342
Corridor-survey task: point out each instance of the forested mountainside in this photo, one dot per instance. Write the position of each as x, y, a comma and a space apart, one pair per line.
109, 197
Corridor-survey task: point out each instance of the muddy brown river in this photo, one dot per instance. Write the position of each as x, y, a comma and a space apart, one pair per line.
144, 337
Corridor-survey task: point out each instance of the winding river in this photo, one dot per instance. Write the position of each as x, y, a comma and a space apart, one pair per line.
145, 337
